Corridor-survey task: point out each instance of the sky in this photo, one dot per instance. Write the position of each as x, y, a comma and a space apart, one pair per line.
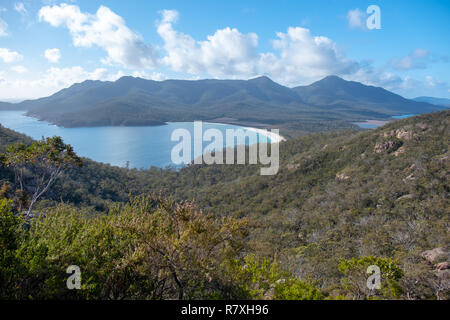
48, 45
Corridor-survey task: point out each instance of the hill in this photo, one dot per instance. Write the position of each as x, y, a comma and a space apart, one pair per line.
128, 100
338, 95
436, 101
260, 102
338, 195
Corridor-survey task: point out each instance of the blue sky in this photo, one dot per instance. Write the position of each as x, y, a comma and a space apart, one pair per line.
47, 45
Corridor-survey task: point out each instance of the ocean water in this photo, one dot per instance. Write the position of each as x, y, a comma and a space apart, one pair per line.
403, 116
140, 147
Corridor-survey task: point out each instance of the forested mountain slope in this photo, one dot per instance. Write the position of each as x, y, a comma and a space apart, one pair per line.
337, 94
329, 103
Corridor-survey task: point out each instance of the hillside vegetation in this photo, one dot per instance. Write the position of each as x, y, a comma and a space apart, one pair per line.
341, 201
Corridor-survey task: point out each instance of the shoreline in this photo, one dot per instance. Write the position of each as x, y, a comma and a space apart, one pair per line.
376, 122
274, 138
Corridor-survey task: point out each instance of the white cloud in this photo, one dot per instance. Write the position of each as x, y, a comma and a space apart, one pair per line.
226, 53
403, 85
230, 54
297, 57
3, 28
53, 80
432, 82
417, 59
304, 58
19, 69
63, 77
157, 76
20, 8
104, 29
356, 19
52, 55
9, 56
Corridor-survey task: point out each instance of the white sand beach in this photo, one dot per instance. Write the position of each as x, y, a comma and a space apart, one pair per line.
274, 138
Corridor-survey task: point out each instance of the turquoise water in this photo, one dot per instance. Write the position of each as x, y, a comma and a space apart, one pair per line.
366, 125
403, 116
142, 147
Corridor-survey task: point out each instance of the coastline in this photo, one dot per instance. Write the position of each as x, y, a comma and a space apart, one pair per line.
376, 122
274, 138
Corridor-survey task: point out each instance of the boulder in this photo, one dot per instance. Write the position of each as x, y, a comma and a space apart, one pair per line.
403, 134
383, 146
342, 176
405, 197
433, 255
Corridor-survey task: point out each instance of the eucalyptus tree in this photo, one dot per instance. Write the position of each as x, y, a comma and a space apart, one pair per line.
37, 166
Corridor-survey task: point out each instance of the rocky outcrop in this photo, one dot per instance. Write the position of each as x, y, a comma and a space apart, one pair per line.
435, 255
342, 176
381, 147
404, 134
398, 137
293, 166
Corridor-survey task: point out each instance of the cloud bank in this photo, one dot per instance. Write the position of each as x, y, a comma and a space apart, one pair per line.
297, 56
53, 80
104, 29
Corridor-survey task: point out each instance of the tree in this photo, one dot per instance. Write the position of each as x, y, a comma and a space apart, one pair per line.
10, 267
37, 166
182, 250
295, 289
355, 283
151, 248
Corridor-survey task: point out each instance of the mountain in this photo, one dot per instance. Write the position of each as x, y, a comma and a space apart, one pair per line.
134, 101
259, 102
338, 94
444, 102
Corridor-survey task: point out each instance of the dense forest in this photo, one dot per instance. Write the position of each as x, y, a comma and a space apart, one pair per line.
341, 201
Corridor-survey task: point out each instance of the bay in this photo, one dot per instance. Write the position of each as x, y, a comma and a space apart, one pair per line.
137, 147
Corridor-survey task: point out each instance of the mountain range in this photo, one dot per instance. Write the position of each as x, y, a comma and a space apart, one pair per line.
259, 102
